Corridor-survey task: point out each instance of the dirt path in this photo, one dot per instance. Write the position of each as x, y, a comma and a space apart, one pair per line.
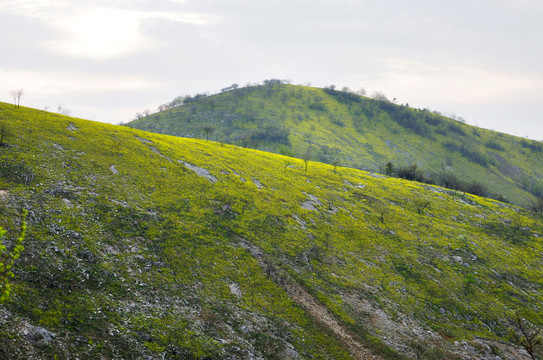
318, 311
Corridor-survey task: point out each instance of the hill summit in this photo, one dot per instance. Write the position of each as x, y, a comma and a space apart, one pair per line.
341, 127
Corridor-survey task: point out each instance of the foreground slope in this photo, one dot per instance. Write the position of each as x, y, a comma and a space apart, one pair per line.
149, 246
359, 132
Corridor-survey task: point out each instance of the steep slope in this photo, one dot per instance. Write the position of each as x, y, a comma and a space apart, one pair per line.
150, 246
359, 132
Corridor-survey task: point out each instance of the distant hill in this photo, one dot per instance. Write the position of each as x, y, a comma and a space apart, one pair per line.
341, 127
146, 246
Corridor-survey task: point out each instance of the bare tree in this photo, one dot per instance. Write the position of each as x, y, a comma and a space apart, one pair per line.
335, 163
307, 156
63, 111
13, 94
208, 130
17, 94
378, 95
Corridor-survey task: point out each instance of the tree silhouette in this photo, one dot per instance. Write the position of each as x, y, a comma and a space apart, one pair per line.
208, 130
17, 94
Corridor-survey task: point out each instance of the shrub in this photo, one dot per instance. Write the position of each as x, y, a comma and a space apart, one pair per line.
343, 96
410, 173
472, 155
534, 146
494, 145
270, 133
537, 206
456, 129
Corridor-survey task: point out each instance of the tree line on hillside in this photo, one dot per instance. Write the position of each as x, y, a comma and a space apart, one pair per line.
449, 180
419, 121
444, 179
187, 99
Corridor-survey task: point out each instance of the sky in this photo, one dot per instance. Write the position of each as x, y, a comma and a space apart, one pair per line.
480, 60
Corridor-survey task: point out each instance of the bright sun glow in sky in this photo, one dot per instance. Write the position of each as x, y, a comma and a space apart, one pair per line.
107, 60
100, 34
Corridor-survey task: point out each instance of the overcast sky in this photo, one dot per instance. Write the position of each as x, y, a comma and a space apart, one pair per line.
106, 60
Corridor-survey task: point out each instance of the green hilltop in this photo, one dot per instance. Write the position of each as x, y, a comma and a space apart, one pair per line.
148, 246
341, 127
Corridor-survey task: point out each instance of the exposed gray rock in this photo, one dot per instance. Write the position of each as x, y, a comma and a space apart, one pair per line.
156, 151
300, 221
145, 141
38, 336
235, 290
114, 170
457, 259
257, 183
200, 171
312, 203
67, 202
308, 205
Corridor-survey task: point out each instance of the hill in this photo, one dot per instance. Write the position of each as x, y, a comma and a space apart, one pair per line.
333, 126
149, 246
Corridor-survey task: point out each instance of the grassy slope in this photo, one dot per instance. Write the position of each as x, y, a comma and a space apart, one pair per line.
361, 133
156, 260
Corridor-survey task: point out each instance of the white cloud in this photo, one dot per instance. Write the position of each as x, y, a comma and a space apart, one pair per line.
98, 32
40, 84
456, 84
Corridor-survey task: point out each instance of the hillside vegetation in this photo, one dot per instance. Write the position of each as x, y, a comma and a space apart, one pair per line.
334, 126
149, 246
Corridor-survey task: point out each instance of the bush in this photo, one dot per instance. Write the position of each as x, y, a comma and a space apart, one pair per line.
406, 117
494, 145
319, 106
410, 173
270, 133
343, 96
472, 155
457, 129
537, 206
534, 146
478, 189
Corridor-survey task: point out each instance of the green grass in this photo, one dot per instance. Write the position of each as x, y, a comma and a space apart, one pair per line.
130, 253
359, 132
